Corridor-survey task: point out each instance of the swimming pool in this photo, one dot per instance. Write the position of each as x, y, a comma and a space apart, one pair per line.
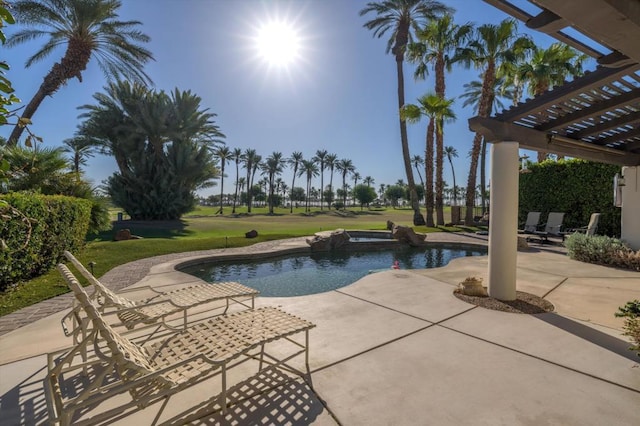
302, 274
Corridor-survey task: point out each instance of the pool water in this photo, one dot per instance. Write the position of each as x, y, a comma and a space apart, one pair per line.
298, 275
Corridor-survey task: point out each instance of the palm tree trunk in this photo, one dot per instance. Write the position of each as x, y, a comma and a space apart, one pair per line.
428, 172
330, 188
455, 188
440, 88
418, 220
293, 182
235, 195
471, 181
483, 176
221, 185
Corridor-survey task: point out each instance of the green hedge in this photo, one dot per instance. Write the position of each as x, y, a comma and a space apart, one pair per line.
57, 223
575, 187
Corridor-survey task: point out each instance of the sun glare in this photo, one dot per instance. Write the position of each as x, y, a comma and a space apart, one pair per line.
278, 43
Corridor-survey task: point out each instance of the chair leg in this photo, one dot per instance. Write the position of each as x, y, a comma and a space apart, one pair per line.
223, 395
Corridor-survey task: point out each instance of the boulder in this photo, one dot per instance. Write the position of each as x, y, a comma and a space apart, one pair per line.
122, 235
407, 235
523, 245
334, 240
472, 286
251, 234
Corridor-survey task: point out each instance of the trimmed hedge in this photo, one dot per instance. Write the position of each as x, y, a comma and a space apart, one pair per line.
35, 230
575, 187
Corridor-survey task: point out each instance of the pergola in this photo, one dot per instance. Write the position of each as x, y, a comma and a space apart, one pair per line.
594, 117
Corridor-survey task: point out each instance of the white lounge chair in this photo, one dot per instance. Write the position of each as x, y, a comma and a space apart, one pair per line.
105, 364
161, 305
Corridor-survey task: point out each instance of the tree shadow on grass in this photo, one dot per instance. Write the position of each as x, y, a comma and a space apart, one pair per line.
147, 229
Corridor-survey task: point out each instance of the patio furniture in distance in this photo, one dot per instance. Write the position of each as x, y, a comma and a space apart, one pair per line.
161, 305
531, 224
76, 383
552, 228
590, 229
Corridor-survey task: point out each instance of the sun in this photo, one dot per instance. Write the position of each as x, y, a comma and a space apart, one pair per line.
278, 43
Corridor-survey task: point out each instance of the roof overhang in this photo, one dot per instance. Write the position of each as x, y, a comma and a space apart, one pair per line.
596, 116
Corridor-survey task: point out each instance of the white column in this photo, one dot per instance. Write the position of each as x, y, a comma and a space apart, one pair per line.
631, 207
503, 220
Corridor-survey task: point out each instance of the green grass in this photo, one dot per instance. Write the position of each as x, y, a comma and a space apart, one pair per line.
203, 230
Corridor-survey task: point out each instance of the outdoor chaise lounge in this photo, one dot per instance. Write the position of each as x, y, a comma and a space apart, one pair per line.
552, 228
531, 225
161, 305
590, 229
77, 384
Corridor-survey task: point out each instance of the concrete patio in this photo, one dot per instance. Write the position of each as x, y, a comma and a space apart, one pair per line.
397, 347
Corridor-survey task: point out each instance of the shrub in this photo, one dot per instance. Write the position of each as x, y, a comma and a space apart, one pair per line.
602, 250
35, 230
631, 313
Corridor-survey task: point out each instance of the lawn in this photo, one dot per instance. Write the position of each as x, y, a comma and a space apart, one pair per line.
202, 229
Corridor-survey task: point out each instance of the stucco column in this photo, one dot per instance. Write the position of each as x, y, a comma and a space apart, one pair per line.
503, 220
631, 207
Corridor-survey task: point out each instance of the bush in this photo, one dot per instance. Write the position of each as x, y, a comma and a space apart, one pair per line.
602, 250
631, 313
35, 230
338, 205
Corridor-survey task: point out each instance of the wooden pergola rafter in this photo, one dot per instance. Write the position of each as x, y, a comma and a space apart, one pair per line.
596, 116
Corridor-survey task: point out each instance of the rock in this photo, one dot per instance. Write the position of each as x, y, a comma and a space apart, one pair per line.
122, 235
335, 240
523, 244
407, 235
390, 225
251, 234
472, 286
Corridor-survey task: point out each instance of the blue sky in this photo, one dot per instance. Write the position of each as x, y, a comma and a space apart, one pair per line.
338, 95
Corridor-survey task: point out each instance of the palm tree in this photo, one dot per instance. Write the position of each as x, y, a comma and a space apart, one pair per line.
369, 181
438, 41
310, 170
236, 155
443, 112
294, 161
223, 154
80, 148
417, 161
87, 28
547, 68
451, 152
503, 87
345, 166
273, 166
249, 157
491, 47
242, 182
257, 163
330, 162
356, 177
400, 18
427, 106
320, 157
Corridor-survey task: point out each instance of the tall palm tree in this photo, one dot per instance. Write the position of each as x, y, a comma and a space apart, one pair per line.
345, 166
236, 155
330, 163
294, 161
223, 154
443, 113
427, 107
451, 153
249, 158
489, 49
257, 164
273, 166
400, 18
503, 87
418, 162
368, 180
320, 157
547, 68
310, 170
80, 148
438, 41
356, 177
87, 29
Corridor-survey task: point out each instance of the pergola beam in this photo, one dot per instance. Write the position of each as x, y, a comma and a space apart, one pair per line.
495, 130
625, 119
595, 110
